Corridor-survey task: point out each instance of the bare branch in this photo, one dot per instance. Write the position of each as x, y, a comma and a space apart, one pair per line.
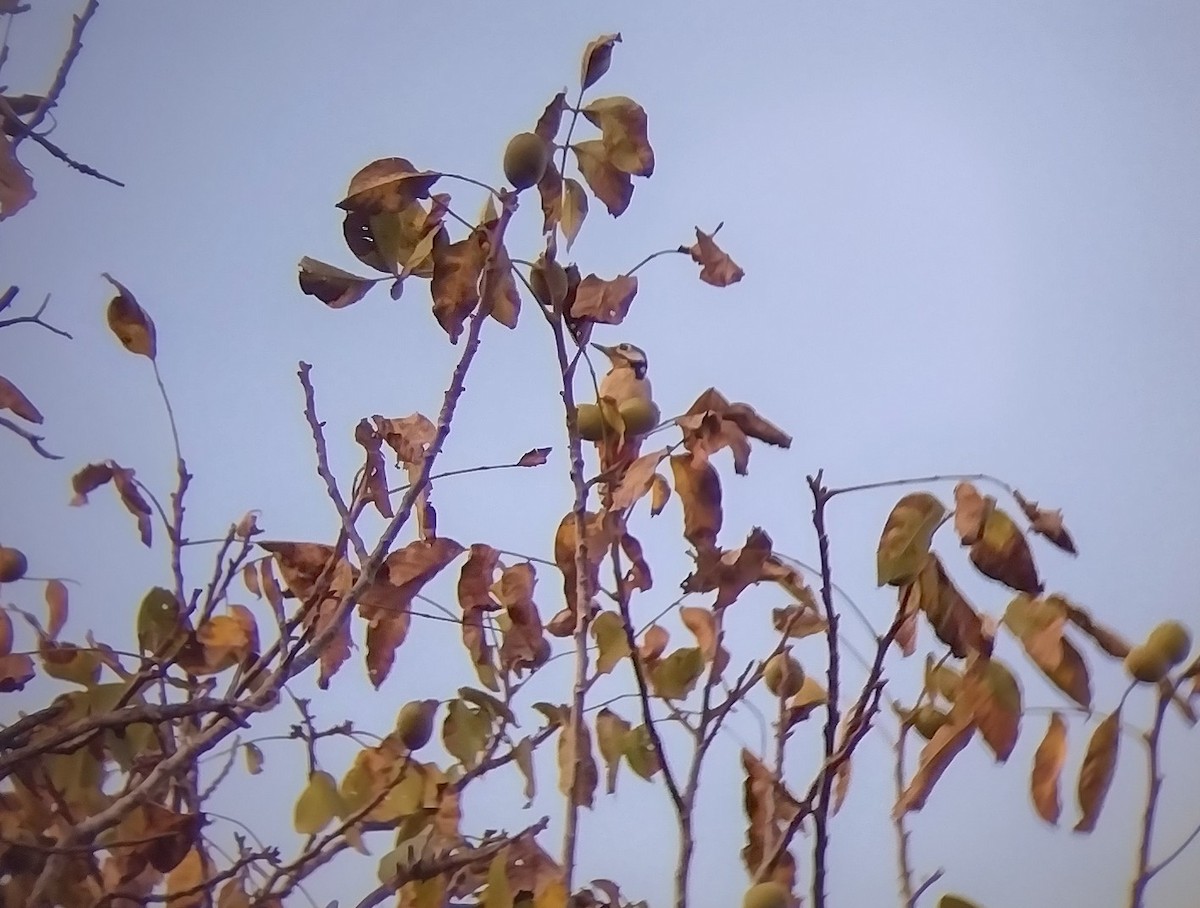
64, 67
35, 441
35, 319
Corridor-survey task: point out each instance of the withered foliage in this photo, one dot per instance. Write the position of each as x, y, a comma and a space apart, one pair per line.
105, 796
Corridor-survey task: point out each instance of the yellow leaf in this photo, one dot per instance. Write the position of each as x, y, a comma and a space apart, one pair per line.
613, 187
608, 630
674, 677
612, 734
574, 209
254, 759
907, 535
1047, 768
936, 756
317, 805
622, 123
497, 893
577, 773
188, 876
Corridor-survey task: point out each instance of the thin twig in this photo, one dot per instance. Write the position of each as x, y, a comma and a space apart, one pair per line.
918, 480
323, 470
921, 890
832, 717
899, 822
35, 319
35, 441
64, 67
1144, 872
23, 131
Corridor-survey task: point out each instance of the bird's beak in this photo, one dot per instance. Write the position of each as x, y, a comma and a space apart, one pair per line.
607, 351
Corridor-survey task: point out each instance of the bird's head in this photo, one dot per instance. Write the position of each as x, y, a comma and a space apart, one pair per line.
626, 356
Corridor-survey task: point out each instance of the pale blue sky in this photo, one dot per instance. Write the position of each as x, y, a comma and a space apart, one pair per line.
970, 240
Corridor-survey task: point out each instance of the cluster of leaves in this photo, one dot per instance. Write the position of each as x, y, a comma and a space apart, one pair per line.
106, 796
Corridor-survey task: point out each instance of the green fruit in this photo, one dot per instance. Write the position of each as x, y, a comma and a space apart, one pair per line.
13, 564
414, 723
927, 720
640, 415
549, 282
1146, 664
1171, 640
525, 160
766, 895
783, 675
590, 421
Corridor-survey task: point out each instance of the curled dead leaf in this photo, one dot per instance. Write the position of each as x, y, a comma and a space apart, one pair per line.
336, 288
597, 57
130, 323
12, 398
716, 267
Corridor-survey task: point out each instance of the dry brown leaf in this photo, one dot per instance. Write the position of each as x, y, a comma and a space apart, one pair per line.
1039, 624
622, 123
1046, 523
550, 192
374, 479
455, 286
1002, 553
951, 616
798, 621
699, 490
551, 119
613, 187
993, 697
943, 747
336, 288
717, 268
660, 494
654, 643
94, 475
638, 577
600, 533
604, 301
1096, 774
769, 807
130, 323
903, 549
16, 185
1048, 764
387, 185
56, 608
386, 604
970, 511
1106, 638
637, 480
534, 457
597, 57
524, 644
188, 876
11, 398
729, 573
713, 423
501, 299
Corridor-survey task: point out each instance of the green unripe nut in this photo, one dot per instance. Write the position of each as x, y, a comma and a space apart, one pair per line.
766, 895
783, 675
1172, 640
639, 415
927, 720
590, 421
13, 564
1147, 665
525, 159
414, 723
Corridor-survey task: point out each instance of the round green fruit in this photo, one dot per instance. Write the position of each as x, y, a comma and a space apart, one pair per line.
1172, 640
927, 720
766, 895
13, 564
414, 723
1147, 665
590, 421
639, 415
783, 675
525, 159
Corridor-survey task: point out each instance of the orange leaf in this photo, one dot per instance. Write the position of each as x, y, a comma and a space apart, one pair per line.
604, 301
56, 607
1096, 774
130, 323
943, 747
1047, 768
970, 511
637, 480
717, 268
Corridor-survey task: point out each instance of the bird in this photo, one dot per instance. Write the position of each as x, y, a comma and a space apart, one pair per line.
627, 386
